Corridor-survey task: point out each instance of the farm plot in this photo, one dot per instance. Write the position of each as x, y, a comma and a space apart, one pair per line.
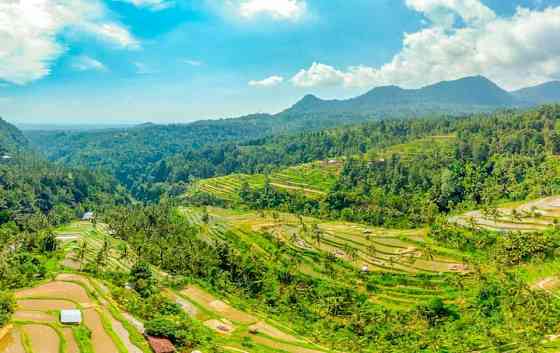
527, 217
37, 327
82, 243
236, 325
313, 179
403, 266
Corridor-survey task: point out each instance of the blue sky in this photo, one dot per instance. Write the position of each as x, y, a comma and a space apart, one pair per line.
115, 61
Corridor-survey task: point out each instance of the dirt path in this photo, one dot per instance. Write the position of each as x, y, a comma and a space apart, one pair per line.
100, 340
43, 338
11, 342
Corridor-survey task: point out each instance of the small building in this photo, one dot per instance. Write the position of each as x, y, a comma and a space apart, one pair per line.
6, 157
332, 161
160, 344
71, 317
88, 216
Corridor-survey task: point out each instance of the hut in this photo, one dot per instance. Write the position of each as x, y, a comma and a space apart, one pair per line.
70, 317
88, 216
160, 344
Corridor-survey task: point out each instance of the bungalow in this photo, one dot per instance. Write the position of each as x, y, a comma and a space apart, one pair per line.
71, 317
160, 344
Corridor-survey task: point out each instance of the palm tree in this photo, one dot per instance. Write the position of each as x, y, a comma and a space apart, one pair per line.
82, 251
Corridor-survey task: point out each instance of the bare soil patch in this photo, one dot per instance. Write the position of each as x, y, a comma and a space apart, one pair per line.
264, 328
75, 278
209, 301
11, 342
100, 340
220, 326
29, 315
45, 304
43, 338
57, 289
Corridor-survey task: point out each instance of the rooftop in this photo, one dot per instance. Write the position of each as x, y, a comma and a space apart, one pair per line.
161, 345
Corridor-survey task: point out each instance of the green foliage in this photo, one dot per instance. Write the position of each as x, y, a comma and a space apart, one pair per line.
142, 279
7, 307
179, 329
516, 248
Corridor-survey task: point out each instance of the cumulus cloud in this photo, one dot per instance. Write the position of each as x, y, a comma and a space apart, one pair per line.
267, 82
277, 9
514, 52
445, 12
29, 29
85, 63
154, 5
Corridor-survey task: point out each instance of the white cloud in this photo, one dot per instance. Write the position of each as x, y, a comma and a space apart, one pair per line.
277, 9
192, 62
514, 52
267, 82
318, 75
444, 12
85, 63
154, 5
29, 29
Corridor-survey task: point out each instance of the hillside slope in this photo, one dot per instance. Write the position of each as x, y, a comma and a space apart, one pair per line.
11, 139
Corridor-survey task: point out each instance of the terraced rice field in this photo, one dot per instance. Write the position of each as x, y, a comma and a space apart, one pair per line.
37, 329
312, 179
531, 216
404, 267
526, 217
432, 144
235, 325
73, 236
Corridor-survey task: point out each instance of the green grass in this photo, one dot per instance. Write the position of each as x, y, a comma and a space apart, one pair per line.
83, 338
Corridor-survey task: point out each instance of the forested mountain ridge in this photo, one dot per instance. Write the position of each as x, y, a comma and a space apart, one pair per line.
145, 157
546, 93
462, 96
11, 138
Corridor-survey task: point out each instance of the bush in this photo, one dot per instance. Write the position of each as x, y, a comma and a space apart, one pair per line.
178, 328
7, 307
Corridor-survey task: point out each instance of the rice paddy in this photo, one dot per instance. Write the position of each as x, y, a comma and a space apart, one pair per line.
402, 266
314, 180
37, 329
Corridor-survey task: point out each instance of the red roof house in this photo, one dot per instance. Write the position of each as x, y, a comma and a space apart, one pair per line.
161, 345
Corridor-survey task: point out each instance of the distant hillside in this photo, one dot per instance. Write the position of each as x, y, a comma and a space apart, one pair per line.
466, 95
11, 139
542, 94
